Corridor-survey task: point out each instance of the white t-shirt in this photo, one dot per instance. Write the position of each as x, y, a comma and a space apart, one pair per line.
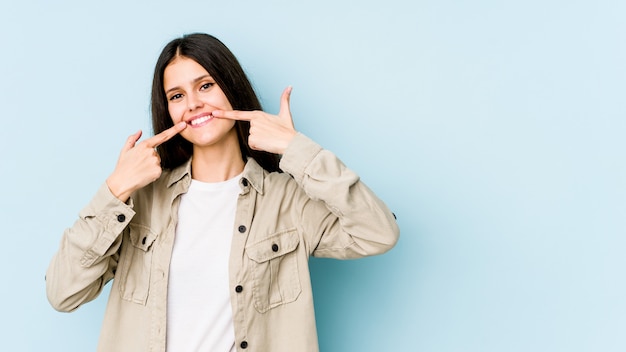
199, 314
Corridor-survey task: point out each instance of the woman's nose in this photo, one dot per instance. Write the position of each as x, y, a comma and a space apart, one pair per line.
193, 102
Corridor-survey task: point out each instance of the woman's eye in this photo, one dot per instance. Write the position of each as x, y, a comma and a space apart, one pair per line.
176, 96
206, 86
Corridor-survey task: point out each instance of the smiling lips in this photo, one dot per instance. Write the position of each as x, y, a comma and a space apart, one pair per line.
200, 121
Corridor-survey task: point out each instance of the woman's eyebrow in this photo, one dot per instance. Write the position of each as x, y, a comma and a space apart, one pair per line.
196, 80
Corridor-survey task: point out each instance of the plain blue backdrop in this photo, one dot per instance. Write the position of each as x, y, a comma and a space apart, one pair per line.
493, 129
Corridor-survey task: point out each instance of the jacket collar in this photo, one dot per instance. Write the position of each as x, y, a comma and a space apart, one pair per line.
253, 173
178, 173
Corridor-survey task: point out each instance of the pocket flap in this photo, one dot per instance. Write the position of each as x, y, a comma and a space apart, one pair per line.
276, 245
141, 236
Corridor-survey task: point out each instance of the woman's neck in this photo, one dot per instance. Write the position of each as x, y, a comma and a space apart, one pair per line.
212, 164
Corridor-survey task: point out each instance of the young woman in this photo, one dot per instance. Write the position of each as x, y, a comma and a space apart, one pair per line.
205, 230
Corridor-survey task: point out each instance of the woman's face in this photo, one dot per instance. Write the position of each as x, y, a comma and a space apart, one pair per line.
192, 95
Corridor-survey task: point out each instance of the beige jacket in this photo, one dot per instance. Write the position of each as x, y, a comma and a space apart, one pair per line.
317, 207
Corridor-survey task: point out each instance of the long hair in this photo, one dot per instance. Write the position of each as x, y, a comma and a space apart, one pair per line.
224, 67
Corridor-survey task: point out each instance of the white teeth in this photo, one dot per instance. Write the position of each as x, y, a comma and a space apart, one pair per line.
199, 120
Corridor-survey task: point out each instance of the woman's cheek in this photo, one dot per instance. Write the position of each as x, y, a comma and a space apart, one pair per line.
177, 116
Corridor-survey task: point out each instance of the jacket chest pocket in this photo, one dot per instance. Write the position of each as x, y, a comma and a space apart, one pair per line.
274, 266
136, 263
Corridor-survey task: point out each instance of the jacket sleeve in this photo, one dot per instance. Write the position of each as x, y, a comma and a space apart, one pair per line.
88, 253
341, 217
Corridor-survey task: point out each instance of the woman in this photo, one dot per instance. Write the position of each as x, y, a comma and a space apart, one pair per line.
207, 240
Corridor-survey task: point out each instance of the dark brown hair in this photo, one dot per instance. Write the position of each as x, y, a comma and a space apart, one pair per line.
223, 66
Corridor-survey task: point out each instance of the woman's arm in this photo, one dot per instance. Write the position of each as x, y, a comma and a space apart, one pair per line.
341, 217
88, 253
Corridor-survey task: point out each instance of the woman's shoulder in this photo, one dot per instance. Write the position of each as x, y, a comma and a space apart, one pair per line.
263, 179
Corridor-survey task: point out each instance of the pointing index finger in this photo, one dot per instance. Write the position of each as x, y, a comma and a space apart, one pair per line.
234, 115
166, 135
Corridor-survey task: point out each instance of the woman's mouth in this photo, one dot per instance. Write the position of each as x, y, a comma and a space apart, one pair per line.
200, 121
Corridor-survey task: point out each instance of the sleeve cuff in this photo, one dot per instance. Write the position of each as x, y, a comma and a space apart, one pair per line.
299, 154
113, 214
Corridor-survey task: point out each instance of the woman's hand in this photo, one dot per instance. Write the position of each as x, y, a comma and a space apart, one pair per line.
270, 133
139, 164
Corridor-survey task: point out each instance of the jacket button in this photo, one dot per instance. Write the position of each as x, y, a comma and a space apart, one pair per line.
238, 288
121, 218
244, 344
244, 182
275, 247
242, 228
394, 216
143, 241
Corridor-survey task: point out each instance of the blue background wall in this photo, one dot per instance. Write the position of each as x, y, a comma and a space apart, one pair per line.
494, 130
